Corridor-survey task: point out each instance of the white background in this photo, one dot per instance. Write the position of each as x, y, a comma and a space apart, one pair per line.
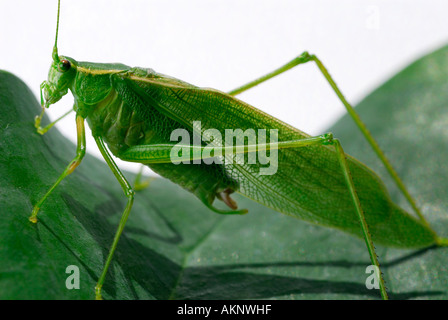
223, 44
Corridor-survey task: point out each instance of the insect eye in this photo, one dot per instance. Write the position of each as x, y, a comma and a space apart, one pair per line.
64, 65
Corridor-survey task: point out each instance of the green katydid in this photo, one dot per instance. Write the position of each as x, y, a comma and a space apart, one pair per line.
132, 113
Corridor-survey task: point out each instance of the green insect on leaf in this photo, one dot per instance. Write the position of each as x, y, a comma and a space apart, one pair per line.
134, 114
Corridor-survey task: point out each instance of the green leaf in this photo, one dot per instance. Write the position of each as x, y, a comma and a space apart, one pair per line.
174, 247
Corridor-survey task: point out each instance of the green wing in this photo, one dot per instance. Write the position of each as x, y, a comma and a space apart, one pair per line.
308, 183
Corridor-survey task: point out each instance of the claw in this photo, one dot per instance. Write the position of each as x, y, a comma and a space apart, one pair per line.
98, 292
33, 217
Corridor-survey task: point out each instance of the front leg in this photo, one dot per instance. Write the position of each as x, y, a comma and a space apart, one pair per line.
80, 152
38, 119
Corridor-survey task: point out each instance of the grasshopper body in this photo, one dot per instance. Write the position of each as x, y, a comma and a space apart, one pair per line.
133, 112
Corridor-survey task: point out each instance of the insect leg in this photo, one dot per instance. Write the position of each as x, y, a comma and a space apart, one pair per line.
80, 152
129, 192
38, 119
138, 183
360, 212
303, 58
162, 153
306, 57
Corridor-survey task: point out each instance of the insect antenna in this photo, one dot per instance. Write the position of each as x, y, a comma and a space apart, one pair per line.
55, 47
